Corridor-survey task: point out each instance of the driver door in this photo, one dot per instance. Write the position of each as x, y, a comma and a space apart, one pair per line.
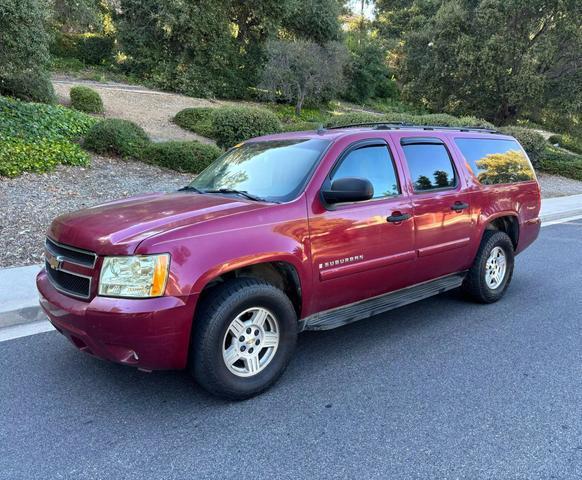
363, 249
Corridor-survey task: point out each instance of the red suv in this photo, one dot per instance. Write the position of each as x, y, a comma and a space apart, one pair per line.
284, 233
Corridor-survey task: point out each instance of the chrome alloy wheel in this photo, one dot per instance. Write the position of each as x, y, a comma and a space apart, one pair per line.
495, 268
250, 342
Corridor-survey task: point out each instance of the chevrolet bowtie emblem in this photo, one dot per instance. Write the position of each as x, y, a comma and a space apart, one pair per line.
54, 262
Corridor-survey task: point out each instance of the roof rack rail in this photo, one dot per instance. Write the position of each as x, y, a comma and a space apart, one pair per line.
397, 126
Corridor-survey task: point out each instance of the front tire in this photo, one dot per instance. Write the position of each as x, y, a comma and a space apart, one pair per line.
245, 334
492, 269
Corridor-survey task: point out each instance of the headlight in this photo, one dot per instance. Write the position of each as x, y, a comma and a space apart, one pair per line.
134, 276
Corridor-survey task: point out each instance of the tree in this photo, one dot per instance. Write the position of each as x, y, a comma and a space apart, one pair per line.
23, 37
495, 58
76, 15
509, 167
183, 46
300, 70
315, 20
24, 54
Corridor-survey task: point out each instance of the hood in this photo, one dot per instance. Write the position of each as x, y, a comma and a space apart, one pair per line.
117, 228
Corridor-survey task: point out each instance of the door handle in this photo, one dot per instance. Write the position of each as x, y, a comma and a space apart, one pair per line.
398, 217
458, 206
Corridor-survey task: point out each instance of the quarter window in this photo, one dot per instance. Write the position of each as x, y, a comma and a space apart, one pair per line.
374, 164
496, 161
430, 166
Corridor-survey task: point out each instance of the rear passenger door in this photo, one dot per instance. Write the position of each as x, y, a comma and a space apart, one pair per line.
441, 208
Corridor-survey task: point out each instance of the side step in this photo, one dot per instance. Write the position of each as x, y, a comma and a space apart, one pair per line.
337, 317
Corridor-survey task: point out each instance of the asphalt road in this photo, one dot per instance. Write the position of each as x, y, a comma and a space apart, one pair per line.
440, 389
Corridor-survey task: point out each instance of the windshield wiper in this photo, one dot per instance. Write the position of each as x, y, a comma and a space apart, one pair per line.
242, 193
190, 188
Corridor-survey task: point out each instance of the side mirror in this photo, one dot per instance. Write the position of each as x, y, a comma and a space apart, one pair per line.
349, 189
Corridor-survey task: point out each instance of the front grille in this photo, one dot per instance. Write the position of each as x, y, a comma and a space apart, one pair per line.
70, 283
70, 254
58, 256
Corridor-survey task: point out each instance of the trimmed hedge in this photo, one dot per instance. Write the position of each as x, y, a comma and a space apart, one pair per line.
558, 162
191, 157
86, 100
196, 120
437, 119
30, 87
532, 142
232, 125
120, 137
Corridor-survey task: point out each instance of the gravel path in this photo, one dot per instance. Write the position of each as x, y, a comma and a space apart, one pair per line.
31, 201
150, 109
556, 186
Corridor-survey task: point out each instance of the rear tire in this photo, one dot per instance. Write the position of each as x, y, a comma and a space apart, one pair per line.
492, 269
245, 334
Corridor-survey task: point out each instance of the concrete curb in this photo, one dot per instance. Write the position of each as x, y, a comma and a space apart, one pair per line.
19, 298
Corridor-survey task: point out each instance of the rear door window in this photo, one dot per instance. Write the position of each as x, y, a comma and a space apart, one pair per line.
430, 165
496, 160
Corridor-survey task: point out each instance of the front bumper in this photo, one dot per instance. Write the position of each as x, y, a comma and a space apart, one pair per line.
152, 333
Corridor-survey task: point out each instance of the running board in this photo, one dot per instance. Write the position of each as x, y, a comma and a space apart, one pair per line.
337, 317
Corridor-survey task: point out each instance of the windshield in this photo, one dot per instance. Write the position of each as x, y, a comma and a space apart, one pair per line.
273, 170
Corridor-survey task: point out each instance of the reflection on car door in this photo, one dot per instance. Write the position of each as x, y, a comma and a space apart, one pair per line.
442, 210
357, 252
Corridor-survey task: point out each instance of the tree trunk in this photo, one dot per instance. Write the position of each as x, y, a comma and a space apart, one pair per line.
299, 104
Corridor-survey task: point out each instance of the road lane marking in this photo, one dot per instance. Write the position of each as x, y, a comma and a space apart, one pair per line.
561, 220
25, 330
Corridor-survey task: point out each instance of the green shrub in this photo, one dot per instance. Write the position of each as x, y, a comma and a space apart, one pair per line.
89, 48
532, 142
18, 155
353, 118
574, 144
558, 162
38, 120
120, 137
553, 139
86, 100
94, 49
196, 120
30, 87
192, 157
231, 125
301, 126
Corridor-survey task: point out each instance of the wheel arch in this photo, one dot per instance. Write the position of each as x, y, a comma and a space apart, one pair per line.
279, 271
507, 222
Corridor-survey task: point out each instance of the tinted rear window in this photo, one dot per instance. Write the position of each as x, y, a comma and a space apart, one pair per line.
430, 166
495, 161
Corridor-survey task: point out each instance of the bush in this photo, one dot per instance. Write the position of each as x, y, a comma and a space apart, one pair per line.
192, 157
94, 49
353, 117
120, 137
38, 121
30, 87
231, 125
568, 142
89, 48
301, 126
196, 120
18, 155
532, 142
553, 139
86, 100
558, 162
